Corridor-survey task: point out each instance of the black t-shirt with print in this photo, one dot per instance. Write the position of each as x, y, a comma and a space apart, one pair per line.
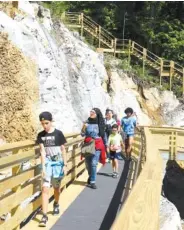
51, 141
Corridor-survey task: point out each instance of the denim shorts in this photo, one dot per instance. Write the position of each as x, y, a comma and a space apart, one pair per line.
48, 181
54, 173
114, 155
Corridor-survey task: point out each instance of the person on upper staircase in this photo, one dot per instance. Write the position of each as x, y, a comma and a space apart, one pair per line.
129, 124
54, 163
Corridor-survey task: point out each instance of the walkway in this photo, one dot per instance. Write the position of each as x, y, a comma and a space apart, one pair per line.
95, 209
84, 208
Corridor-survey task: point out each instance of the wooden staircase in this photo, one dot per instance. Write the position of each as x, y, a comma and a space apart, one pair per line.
110, 44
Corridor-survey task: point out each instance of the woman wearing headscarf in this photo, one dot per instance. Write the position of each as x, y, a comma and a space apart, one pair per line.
94, 129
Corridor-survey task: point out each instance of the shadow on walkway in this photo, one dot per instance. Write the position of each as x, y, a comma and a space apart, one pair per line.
116, 200
82, 183
104, 174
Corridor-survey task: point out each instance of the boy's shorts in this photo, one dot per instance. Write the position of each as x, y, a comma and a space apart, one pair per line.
48, 181
114, 155
54, 174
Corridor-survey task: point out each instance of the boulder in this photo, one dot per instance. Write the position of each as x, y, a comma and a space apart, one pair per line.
169, 216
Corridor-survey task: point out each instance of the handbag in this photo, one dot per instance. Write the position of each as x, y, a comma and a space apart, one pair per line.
88, 148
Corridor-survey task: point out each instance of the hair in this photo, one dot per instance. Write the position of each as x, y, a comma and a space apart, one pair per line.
109, 110
115, 116
129, 110
115, 126
101, 122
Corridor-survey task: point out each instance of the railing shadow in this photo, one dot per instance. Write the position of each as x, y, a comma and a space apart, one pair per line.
116, 200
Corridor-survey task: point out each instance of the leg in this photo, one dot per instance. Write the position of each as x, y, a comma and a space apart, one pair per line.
56, 183
116, 165
113, 165
126, 146
56, 195
88, 167
45, 199
94, 163
130, 143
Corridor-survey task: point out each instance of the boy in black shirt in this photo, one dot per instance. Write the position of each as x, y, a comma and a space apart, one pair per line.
54, 163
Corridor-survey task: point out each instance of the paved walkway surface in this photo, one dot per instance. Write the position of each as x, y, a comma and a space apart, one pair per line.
95, 209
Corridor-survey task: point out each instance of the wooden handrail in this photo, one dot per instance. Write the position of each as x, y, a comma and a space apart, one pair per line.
141, 209
105, 38
25, 183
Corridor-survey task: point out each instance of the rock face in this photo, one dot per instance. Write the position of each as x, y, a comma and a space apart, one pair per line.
72, 78
169, 216
174, 185
18, 92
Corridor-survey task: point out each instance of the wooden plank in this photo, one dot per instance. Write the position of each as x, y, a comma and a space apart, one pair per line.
141, 209
9, 183
72, 135
138, 146
22, 214
73, 153
16, 145
16, 159
74, 141
15, 199
74, 162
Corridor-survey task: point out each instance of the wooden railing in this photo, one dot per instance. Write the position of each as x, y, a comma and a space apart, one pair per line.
141, 209
23, 184
110, 44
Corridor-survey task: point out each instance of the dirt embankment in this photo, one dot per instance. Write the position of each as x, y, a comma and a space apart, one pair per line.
19, 93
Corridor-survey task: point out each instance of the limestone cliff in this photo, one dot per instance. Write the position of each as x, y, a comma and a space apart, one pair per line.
71, 78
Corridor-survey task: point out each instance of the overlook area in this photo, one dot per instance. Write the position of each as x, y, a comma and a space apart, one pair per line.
70, 58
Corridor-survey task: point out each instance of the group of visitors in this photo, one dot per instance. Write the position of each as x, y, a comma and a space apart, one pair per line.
105, 139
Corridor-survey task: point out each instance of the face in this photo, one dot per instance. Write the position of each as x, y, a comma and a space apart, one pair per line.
109, 114
46, 125
114, 130
128, 114
92, 114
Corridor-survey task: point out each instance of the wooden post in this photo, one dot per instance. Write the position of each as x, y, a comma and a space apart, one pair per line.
99, 36
15, 170
82, 23
171, 73
115, 41
133, 44
63, 16
183, 82
96, 30
143, 60
173, 145
161, 70
129, 48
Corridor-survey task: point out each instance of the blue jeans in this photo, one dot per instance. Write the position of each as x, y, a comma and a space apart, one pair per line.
91, 165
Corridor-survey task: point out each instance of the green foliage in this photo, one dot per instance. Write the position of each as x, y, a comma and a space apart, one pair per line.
159, 26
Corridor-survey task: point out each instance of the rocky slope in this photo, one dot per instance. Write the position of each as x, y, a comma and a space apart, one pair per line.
72, 77
44, 66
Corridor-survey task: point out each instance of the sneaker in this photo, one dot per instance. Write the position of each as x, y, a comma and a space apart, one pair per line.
93, 186
115, 175
43, 221
55, 209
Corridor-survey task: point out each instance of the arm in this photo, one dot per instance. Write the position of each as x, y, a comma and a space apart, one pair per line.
63, 150
83, 129
122, 145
